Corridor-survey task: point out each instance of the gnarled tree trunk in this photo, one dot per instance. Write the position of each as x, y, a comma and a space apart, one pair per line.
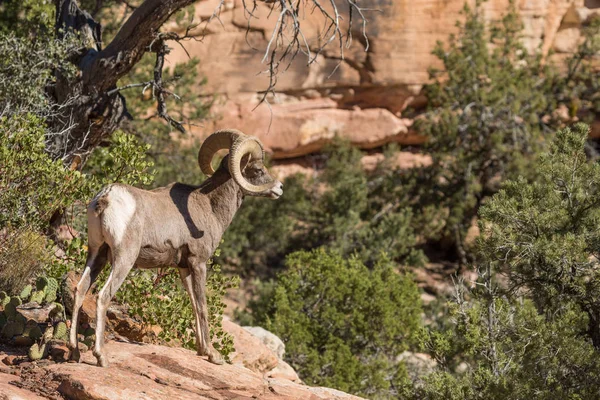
89, 111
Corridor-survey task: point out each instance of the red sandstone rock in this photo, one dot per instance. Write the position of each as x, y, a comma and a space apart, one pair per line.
156, 372
11, 392
301, 128
364, 99
9, 360
250, 350
60, 353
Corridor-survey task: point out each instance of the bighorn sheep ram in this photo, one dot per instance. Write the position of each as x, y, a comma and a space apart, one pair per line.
178, 225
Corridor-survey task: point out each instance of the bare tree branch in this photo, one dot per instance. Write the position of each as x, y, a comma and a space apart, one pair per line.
96, 107
159, 91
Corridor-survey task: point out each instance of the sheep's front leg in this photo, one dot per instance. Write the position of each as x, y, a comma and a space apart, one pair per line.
122, 264
197, 278
96, 260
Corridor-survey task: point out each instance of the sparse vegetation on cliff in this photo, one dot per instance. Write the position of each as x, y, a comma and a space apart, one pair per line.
334, 252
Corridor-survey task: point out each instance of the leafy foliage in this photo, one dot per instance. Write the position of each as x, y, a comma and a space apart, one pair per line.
531, 327
514, 353
174, 155
32, 186
124, 160
343, 323
161, 300
544, 235
27, 18
337, 209
484, 121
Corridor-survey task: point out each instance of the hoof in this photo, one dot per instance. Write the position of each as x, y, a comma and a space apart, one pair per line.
102, 360
216, 359
75, 355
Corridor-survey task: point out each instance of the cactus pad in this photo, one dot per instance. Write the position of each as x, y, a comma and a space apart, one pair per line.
11, 307
37, 352
89, 341
52, 285
41, 283
60, 331
12, 328
37, 297
25, 292
32, 330
89, 332
4, 299
50, 296
57, 311
48, 333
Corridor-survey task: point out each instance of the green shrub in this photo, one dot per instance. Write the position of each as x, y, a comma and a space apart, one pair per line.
529, 328
337, 209
484, 121
161, 300
32, 188
122, 160
344, 324
32, 185
544, 235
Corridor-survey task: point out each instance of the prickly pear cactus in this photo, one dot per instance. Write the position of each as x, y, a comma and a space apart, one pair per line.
41, 283
4, 299
89, 341
12, 328
20, 318
37, 297
52, 285
48, 334
11, 308
60, 331
25, 292
32, 330
50, 296
37, 352
89, 331
57, 311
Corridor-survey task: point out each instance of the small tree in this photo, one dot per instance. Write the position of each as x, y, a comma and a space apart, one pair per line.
484, 121
530, 329
345, 325
544, 236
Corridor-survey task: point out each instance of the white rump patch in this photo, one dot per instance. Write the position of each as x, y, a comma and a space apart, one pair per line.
118, 213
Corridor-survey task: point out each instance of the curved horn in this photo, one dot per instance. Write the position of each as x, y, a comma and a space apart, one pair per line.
246, 145
222, 139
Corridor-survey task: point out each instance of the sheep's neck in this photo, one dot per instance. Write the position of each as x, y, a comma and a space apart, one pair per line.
225, 197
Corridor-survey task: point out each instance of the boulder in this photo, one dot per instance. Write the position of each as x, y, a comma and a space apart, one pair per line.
363, 101
250, 351
292, 129
269, 339
285, 371
418, 364
36, 312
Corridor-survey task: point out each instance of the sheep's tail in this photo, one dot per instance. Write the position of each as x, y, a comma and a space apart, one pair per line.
100, 202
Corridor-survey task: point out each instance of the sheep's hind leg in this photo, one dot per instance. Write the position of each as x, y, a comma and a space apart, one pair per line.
121, 265
198, 283
96, 260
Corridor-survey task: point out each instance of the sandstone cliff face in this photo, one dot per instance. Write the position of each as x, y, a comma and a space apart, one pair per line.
364, 99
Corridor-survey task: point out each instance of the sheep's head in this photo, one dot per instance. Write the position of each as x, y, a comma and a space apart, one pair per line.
245, 162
